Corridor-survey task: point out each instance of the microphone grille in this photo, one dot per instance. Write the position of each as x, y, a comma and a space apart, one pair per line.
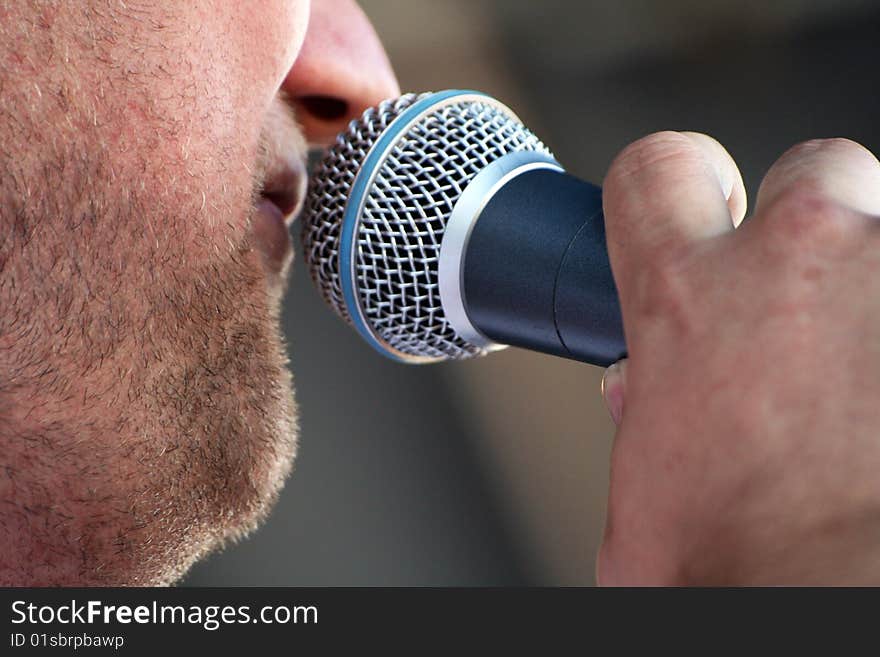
412, 191
329, 188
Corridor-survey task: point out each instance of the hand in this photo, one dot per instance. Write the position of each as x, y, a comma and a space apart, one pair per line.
748, 446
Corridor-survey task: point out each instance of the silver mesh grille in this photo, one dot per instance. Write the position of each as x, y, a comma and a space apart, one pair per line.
329, 187
404, 216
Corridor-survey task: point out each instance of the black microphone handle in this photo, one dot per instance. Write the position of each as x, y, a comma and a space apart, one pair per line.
536, 272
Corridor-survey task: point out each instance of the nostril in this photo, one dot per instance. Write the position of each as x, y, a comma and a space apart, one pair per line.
325, 108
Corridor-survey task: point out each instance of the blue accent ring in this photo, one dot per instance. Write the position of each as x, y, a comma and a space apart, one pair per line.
351, 219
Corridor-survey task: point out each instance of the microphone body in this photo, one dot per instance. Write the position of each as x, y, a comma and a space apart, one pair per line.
441, 228
536, 272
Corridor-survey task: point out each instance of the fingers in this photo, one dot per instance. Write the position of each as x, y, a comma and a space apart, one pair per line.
614, 389
665, 192
728, 175
837, 169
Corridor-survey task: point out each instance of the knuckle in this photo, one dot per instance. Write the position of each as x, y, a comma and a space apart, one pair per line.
659, 148
807, 220
642, 172
834, 146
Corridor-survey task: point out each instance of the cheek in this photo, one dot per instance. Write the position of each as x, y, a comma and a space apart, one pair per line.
237, 54
196, 94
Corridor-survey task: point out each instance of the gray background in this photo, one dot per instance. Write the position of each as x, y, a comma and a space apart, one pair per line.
494, 472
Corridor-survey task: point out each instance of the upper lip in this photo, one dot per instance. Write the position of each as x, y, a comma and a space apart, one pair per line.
283, 178
284, 189
285, 185
284, 160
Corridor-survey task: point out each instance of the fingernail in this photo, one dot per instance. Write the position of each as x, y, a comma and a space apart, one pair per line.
612, 391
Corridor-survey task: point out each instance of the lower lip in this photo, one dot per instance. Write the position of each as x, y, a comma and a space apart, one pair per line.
271, 235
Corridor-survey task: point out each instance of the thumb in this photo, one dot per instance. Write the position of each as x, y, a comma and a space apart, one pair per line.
614, 389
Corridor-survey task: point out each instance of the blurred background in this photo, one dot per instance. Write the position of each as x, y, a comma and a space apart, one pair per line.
494, 472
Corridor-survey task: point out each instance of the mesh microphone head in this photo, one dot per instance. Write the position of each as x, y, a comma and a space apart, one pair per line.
378, 206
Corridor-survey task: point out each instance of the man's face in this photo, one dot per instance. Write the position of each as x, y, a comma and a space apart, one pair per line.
149, 152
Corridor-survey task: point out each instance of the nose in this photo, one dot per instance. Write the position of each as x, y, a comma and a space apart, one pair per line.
342, 69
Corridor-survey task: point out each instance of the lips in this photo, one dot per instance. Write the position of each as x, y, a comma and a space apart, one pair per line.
276, 209
283, 167
271, 237
285, 185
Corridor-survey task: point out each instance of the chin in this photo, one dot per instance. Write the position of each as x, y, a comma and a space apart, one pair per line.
225, 488
186, 455
233, 447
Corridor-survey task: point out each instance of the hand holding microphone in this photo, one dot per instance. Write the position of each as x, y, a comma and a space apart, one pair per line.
749, 437
440, 227
748, 443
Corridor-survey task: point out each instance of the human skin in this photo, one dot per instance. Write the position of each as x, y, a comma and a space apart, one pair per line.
146, 414
149, 153
748, 443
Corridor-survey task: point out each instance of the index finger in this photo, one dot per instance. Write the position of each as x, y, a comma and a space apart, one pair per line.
664, 193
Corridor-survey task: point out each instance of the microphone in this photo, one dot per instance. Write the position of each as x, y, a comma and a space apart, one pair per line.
440, 228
